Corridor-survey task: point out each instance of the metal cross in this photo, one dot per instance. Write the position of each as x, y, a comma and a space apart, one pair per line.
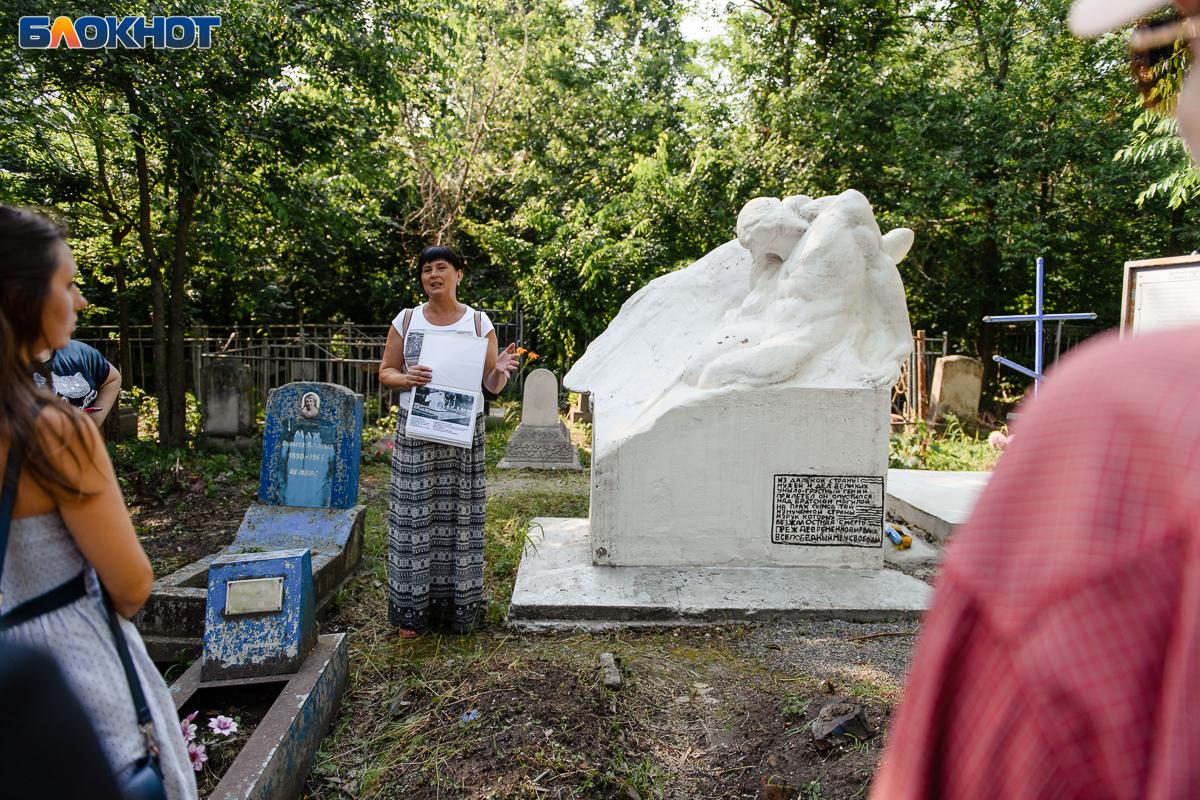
1038, 318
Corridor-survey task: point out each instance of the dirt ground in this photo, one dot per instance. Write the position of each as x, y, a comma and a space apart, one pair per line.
180, 520
702, 712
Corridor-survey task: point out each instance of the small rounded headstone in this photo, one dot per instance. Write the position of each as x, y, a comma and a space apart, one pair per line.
540, 408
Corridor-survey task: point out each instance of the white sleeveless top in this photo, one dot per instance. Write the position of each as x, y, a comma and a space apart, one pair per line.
417, 326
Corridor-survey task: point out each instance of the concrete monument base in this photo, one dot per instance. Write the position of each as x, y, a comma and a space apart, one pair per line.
934, 501
557, 586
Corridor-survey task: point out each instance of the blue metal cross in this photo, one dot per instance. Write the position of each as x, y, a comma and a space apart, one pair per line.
1038, 318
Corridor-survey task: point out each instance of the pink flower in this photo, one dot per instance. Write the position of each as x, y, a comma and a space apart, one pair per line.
197, 755
222, 725
998, 440
185, 725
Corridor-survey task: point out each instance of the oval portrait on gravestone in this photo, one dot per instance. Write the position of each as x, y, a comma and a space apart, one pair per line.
310, 405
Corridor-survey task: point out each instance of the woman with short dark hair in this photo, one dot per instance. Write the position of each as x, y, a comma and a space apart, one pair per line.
436, 498
69, 536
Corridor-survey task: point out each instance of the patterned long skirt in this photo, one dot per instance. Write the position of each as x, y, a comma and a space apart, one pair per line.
435, 533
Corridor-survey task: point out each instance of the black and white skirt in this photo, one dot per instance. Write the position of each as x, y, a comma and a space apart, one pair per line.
436, 505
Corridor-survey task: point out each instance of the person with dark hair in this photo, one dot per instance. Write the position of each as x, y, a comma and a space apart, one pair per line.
1059, 657
436, 498
70, 552
82, 376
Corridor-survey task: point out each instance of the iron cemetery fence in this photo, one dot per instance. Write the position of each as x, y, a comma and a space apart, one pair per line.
348, 355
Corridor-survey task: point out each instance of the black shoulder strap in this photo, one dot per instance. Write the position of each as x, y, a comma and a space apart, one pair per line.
8, 497
478, 323
404, 326
135, 686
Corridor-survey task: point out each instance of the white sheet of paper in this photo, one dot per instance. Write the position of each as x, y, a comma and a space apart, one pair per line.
456, 359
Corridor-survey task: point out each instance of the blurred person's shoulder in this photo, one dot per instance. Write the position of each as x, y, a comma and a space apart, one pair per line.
1102, 477
1132, 363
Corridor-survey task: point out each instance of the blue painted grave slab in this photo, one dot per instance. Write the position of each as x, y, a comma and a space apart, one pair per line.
276, 528
262, 643
311, 446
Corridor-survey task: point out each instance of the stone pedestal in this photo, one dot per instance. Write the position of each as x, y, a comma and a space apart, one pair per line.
541, 441
540, 447
780, 477
261, 615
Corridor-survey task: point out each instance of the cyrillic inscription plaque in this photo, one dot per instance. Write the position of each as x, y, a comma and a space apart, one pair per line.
828, 510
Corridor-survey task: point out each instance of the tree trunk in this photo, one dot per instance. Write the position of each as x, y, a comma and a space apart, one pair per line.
153, 267
124, 347
989, 273
175, 421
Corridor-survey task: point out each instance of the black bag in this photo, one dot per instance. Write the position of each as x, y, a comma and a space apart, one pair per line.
146, 781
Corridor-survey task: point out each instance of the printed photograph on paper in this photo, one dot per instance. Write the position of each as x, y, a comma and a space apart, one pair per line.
444, 405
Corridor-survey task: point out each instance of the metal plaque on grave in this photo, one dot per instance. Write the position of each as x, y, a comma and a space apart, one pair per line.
828, 510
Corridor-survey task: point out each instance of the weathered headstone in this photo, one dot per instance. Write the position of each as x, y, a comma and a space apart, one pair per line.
740, 433
260, 618
227, 411
957, 384
581, 410
541, 441
311, 447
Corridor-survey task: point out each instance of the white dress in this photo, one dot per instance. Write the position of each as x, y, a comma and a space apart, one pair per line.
42, 555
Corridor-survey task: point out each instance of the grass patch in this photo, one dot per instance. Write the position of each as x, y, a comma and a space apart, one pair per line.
921, 446
507, 535
499, 714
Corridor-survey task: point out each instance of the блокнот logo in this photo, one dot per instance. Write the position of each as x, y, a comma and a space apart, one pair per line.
99, 33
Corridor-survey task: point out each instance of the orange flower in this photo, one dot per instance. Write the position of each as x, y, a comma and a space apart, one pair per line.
521, 351
532, 355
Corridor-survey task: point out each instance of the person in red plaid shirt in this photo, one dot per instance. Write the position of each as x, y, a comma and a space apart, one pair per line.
1061, 656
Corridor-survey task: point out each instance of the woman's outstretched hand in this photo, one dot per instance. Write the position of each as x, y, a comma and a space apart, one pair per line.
507, 360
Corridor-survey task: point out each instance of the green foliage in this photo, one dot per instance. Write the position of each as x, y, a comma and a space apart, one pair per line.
146, 471
920, 446
576, 149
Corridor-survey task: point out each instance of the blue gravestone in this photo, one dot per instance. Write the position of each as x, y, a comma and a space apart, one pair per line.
311, 446
261, 614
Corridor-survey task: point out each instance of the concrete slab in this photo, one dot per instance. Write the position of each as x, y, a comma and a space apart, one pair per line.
932, 500
172, 621
558, 587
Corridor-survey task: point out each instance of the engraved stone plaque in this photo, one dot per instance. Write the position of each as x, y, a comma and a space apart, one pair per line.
540, 444
540, 447
254, 596
828, 510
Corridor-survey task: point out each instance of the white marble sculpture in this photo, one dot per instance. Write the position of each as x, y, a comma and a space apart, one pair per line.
771, 355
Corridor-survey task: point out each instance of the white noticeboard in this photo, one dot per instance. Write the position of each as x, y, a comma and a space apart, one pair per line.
1160, 294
